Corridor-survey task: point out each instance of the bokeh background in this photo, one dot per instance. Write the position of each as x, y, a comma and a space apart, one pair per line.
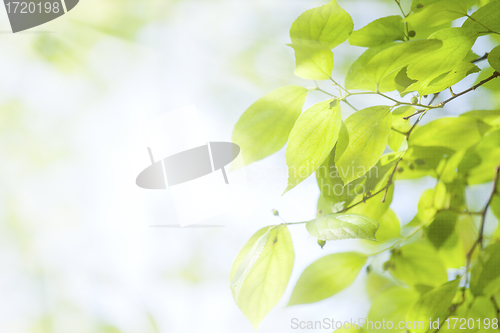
80, 246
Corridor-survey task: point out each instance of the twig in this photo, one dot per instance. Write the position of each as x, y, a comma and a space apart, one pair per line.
346, 102
485, 56
440, 105
479, 240
495, 74
364, 199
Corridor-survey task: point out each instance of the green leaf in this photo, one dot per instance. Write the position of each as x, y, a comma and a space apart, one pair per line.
453, 133
331, 185
261, 271
485, 19
494, 58
490, 117
417, 264
328, 25
480, 162
478, 309
392, 305
343, 226
398, 56
313, 62
437, 13
445, 80
399, 124
421, 161
485, 272
376, 283
265, 126
402, 81
357, 79
327, 276
389, 226
441, 228
434, 304
368, 132
311, 140
381, 31
374, 207
456, 44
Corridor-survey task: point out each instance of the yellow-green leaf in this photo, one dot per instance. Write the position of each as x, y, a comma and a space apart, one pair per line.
311, 140
328, 25
265, 126
343, 226
398, 56
327, 276
494, 58
485, 19
381, 31
368, 132
417, 264
453, 133
261, 271
434, 304
485, 272
313, 62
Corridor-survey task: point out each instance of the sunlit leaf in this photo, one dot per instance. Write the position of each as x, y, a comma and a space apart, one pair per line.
261, 271
437, 13
368, 132
435, 304
398, 56
265, 126
313, 62
417, 264
485, 19
494, 58
343, 226
389, 226
391, 304
456, 44
327, 276
311, 140
376, 283
381, 31
328, 25
453, 133
485, 272
357, 79
441, 228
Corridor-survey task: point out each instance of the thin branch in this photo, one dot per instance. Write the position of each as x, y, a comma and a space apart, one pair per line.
479, 240
401, 8
396, 130
335, 83
440, 105
346, 102
364, 199
485, 56
495, 74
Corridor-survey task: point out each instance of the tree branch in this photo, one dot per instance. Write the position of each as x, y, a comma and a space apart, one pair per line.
485, 56
479, 240
440, 105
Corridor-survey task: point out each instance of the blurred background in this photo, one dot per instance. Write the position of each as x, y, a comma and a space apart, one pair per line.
82, 247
